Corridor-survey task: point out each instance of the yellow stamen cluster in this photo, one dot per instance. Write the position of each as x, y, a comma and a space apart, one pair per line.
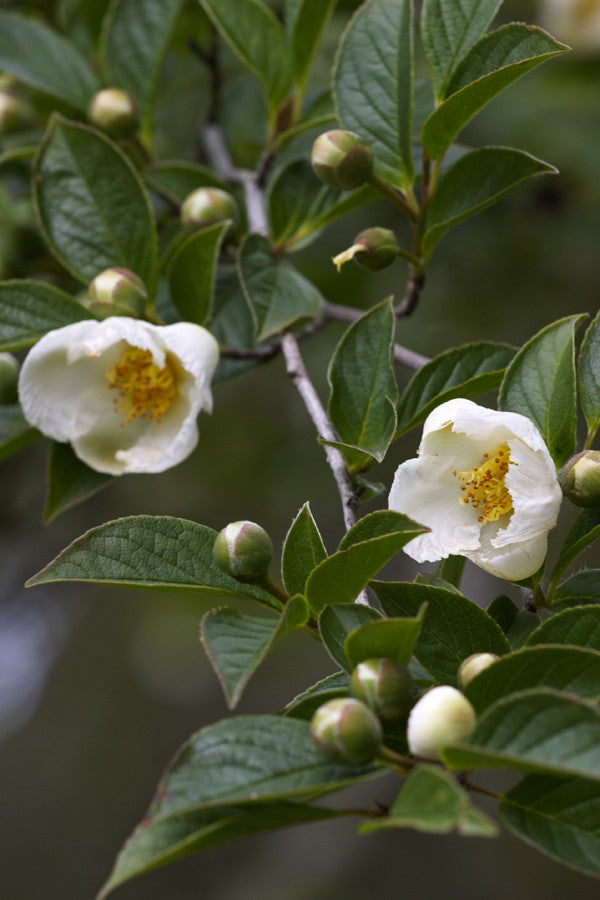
484, 488
145, 391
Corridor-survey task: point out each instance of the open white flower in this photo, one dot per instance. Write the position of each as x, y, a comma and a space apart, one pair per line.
486, 486
124, 393
577, 22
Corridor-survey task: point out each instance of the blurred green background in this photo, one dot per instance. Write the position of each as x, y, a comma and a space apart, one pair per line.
99, 687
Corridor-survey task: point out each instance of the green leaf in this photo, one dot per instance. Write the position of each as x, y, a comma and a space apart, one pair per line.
448, 31
451, 570
540, 384
584, 531
157, 552
237, 643
372, 85
533, 731
134, 41
304, 24
337, 622
15, 430
432, 801
452, 627
303, 550
465, 371
364, 550
571, 669
232, 323
91, 205
516, 624
579, 627
588, 376
45, 60
583, 587
256, 36
304, 705
491, 65
559, 816
176, 179
363, 386
278, 295
29, 309
69, 481
383, 638
192, 273
477, 180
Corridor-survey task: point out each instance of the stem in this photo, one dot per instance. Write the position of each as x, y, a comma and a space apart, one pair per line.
394, 197
271, 586
590, 439
401, 763
414, 286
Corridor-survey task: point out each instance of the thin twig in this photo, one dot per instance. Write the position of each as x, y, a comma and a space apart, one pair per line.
414, 286
402, 355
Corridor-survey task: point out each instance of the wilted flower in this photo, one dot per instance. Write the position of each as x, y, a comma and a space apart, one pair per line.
486, 486
124, 393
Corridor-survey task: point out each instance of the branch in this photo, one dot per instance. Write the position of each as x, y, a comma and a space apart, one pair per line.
402, 355
219, 158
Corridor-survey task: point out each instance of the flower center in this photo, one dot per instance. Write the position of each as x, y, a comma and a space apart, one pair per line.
484, 487
145, 391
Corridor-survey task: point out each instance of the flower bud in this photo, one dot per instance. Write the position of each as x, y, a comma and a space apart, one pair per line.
347, 729
442, 716
116, 292
9, 376
342, 160
208, 206
244, 550
473, 665
15, 113
374, 249
580, 478
114, 111
385, 686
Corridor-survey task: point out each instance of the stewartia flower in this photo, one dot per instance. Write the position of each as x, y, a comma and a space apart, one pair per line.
486, 486
124, 393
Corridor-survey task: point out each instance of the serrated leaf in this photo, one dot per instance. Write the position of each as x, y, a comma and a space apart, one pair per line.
583, 587
559, 816
573, 670
363, 385
432, 801
304, 24
364, 550
475, 181
540, 383
256, 36
337, 622
45, 60
303, 550
533, 731
452, 626
91, 205
175, 179
383, 638
584, 531
192, 273
465, 371
449, 30
134, 41
372, 85
579, 627
491, 65
15, 430
232, 324
278, 294
451, 570
69, 481
157, 552
29, 309
588, 376
304, 705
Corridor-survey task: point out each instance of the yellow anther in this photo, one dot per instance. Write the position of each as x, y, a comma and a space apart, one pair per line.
484, 486
145, 391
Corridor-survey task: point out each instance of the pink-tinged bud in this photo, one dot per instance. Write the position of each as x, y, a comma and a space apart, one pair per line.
244, 550
9, 377
15, 113
208, 206
114, 111
473, 665
116, 292
342, 160
347, 729
580, 478
385, 686
442, 716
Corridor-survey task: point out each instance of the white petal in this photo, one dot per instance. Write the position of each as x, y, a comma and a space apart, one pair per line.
514, 561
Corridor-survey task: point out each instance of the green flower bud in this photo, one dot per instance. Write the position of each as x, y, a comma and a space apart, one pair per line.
473, 665
208, 206
385, 686
580, 478
342, 160
116, 292
374, 249
347, 729
9, 376
15, 113
114, 111
442, 716
244, 550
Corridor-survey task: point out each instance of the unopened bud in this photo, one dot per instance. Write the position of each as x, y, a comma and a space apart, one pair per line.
116, 292
244, 550
442, 716
208, 206
347, 729
385, 686
9, 376
341, 159
15, 113
114, 111
473, 665
580, 478
374, 249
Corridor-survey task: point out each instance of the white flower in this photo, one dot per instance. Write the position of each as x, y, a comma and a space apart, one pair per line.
577, 22
124, 393
442, 716
486, 486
